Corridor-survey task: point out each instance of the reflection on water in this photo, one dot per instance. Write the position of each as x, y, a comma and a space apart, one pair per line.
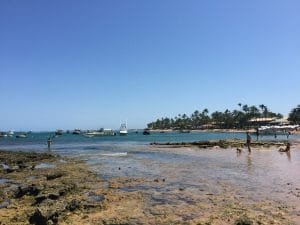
288, 154
249, 162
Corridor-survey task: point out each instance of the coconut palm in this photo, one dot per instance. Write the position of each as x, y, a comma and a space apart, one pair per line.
294, 115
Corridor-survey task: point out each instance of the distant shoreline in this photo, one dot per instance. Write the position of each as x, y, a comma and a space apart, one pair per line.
210, 130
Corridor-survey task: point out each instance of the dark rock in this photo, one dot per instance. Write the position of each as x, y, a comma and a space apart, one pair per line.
156, 180
39, 199
9, 170
42, 197
38, 218
27, 190
53, 196
54, 176
73, 205
243, 221
67, 189
44, 217
48, 212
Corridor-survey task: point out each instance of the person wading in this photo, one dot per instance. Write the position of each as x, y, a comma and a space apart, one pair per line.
49, 142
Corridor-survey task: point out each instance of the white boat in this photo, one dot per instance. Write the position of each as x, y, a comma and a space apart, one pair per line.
76, 131
3, 134
10, 133
21, 135
123, 129
59, 132
101, 132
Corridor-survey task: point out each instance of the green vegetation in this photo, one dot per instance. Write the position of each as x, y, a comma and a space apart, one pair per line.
294, 115
224, 120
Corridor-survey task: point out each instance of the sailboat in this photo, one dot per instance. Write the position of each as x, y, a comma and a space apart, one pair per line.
123, 129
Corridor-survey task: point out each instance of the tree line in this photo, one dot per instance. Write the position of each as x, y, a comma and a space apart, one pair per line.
236, 119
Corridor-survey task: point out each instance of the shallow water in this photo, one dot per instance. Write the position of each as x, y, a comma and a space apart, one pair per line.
44, 166
172, 176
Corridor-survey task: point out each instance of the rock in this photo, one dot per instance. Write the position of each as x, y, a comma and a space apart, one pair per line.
243, 221
54, 176
73, 205
156, 180
67, 188
48, 212
39, 199
4, 205
39, 217
42, 197
54, 196
27, 190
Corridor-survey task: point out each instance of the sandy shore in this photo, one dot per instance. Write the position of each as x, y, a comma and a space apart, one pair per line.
48, 189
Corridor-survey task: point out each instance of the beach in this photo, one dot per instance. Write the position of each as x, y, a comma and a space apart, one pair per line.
160, 184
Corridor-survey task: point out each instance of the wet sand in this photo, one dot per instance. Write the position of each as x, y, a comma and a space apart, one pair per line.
49, 189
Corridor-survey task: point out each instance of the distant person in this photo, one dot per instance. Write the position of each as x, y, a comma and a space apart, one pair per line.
288, 134
49, 142
286, 149
248, 141
275, 135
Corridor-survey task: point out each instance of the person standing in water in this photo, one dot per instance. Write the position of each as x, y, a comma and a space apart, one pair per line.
248, 141
49, 142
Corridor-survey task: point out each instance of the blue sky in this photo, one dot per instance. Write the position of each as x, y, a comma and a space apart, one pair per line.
91, 64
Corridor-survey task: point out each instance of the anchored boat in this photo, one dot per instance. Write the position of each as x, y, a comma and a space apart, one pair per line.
123, 129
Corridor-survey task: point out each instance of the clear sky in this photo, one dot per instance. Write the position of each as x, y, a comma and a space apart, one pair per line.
91, 64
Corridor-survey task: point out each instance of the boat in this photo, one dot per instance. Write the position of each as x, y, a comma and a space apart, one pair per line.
59, 132
3, 134
146, 131
123, 129
76, 131
101, 132
21, 136
10, 133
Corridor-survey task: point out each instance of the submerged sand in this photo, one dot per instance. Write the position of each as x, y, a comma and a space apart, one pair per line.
49, 189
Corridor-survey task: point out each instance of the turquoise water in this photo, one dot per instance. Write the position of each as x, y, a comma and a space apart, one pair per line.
70, 144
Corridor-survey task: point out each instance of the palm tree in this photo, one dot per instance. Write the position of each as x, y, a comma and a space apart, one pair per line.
262, 107
245, 108
240, 105
254, 111
294, 115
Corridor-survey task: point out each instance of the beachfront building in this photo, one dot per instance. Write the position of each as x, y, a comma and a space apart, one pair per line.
268, 121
